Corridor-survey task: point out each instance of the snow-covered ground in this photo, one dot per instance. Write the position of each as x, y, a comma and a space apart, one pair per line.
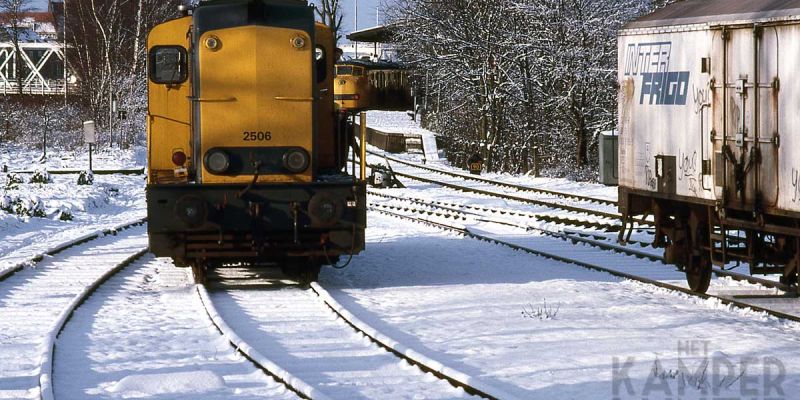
69, 210
533, 327
543, 329
400, 122
145, 334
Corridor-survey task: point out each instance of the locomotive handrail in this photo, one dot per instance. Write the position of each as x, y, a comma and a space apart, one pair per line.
220, 100
285, 98
153, 116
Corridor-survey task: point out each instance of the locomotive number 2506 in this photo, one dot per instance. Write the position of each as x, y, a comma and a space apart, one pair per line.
256, 136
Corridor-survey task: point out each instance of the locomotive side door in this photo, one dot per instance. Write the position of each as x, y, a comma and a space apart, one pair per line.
745, 117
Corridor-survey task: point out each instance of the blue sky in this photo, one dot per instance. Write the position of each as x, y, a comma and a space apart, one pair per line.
366, 12
39, 4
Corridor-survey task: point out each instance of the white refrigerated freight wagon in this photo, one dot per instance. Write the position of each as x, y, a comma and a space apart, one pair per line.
709, 133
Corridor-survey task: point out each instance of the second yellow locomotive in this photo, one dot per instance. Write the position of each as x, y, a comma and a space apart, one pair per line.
246, 152
371, 85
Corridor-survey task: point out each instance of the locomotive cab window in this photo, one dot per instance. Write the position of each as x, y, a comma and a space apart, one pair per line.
168, 65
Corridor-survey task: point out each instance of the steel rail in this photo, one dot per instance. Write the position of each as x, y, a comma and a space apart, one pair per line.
427, 364
293, 383
534, 216
505, 196
4, 274
46, 391
498, 183
455, 377
724, 300
602, 244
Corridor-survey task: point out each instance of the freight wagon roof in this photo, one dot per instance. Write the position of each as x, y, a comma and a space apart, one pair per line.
717, 11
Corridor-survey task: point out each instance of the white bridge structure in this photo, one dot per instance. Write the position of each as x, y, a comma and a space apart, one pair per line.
42, 69
38, 68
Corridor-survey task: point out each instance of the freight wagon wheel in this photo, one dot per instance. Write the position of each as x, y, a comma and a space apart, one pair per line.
698, 272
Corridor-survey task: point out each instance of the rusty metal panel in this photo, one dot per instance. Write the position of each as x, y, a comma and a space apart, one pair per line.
717, 12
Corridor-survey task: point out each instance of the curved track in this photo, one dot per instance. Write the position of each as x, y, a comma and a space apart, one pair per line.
322, 351
757, 294
162, 345
591, 206
598, 241
520, 188
6, 272
36, 302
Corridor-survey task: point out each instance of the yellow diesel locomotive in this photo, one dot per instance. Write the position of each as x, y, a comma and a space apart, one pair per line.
352, 90
247, 155
374, 85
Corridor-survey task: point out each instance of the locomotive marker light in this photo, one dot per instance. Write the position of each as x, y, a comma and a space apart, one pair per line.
89, 137
212, 43
298, 42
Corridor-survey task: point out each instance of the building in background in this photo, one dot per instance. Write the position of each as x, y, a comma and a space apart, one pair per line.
42, 59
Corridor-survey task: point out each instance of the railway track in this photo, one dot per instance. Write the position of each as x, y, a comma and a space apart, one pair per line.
594, 240
752, 293
521, 188
8, 271
545, 203
320, 350
611, 226
161, 344
38, 301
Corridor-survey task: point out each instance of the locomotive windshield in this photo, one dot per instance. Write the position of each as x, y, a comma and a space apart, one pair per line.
344, 70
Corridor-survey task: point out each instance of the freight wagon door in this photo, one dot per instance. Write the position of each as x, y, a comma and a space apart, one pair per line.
745, 116
255, 103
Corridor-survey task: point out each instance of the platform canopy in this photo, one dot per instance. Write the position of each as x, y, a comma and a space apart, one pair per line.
375, 34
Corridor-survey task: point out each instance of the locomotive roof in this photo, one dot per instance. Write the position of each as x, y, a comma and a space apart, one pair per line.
717, 11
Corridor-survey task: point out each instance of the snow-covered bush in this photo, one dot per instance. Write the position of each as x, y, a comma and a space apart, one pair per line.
85, 178
22, 206
40, 176
13, 181
65, 215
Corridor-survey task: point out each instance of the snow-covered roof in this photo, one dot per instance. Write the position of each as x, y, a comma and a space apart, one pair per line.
37, 27
717, 11
375, 34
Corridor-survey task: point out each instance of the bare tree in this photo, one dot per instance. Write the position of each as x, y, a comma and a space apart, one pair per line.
108, 56
13, 15
510, 77
330, 14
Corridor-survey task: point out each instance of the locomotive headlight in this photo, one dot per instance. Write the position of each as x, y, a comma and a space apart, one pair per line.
217, 161
296, 160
